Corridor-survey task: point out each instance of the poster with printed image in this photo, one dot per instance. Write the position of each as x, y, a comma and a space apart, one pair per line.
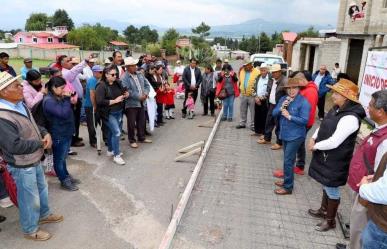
357, 11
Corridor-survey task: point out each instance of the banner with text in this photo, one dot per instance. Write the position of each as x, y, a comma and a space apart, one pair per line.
375, 76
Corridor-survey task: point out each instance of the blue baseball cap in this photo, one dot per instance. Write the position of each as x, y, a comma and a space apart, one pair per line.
97, 68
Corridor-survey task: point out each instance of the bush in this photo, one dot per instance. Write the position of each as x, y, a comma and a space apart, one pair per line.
153, 49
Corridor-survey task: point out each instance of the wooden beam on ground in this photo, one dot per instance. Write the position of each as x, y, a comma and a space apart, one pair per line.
188, 154
190, 147
170, 233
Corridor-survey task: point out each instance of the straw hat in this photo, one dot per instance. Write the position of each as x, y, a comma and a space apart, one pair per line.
295, 82
275, 68
130, 61
6, 79
347, 89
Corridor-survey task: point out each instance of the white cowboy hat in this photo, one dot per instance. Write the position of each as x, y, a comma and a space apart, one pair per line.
130, 61
6, 79
264, 65
107, 61
275, 68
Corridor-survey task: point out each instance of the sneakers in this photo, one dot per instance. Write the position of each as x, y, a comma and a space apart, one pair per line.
298, 171
111, 153
118, 160
240, 126
6, 202
40, 235
68, 185
276, 147
223, 119
52, 218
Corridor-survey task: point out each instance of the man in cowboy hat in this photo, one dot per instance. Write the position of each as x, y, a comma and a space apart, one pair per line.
138, 88
247, 77
23, 144
275, 91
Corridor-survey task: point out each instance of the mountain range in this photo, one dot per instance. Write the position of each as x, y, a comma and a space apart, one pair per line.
247, 28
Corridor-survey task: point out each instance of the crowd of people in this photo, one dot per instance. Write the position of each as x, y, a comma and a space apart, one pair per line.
41, 119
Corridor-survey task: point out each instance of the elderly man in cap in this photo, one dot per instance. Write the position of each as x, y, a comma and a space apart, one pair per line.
275, 91
23, 144
247, 77
27, 67
261, 104
138, 88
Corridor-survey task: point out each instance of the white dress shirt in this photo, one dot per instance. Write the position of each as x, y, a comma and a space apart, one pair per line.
193, 78
272, 93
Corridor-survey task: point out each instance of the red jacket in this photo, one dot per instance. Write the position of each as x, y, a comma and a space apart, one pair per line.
160, 96
310, 92
169, 97
220, 85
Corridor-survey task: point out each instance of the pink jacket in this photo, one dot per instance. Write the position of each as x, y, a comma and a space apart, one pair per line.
190, 104
31, 96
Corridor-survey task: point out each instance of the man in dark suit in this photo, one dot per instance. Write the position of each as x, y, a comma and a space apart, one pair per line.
192, 78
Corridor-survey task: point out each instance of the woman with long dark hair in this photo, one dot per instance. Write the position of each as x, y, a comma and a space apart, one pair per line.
110, 97
60, 122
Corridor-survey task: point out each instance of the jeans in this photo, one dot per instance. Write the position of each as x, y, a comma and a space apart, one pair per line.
60, 149
209, 99
228, 107
373, 237
114, 132
332, 192
290, 151
32, 196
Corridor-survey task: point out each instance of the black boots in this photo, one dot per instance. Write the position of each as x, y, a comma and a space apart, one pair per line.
322, 211
330, 221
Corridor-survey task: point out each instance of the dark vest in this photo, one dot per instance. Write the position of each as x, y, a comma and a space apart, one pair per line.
330, 167
378, 212
365, 151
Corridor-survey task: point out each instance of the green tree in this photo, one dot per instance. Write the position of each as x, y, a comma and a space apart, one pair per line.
61, 18
36, 21
310, 32
148, 35
131, 34
264, 44
90, 37
202, 30
168, 41
276, 38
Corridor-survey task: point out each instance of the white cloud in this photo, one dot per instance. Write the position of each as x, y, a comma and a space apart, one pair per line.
176, 13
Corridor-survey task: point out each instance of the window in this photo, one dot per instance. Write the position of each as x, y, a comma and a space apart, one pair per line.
21, 39
49, 39
35, 40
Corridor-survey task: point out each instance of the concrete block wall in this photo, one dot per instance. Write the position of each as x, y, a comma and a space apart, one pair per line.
328, 54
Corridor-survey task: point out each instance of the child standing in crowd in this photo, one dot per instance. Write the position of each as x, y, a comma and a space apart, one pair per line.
60, 117
190, 104
169, 102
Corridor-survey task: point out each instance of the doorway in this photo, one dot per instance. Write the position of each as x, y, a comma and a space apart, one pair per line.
354, 59
311, 58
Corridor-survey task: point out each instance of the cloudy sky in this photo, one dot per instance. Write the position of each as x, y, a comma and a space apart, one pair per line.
175, 13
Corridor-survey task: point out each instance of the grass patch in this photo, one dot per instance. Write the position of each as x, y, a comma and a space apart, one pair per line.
17, 63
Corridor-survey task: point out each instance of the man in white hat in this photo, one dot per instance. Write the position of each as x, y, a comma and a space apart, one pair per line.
261, 95
22, 144
275, 91
138, 88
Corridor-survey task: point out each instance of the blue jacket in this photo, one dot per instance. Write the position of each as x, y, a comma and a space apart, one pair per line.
294, 128
327, 79
59, 115
134, 95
